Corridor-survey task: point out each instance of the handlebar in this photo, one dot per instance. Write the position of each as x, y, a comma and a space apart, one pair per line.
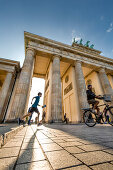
106, 98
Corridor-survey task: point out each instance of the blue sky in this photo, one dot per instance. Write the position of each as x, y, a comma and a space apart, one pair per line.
59, 20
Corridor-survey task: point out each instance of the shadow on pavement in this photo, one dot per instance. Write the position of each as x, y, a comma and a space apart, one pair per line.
24, 156
100, 134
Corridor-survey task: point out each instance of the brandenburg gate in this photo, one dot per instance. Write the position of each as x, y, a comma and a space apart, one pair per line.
67, 71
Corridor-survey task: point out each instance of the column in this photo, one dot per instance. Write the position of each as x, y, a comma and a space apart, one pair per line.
81, 87
56, 96
105, 82
19, 104
4, 95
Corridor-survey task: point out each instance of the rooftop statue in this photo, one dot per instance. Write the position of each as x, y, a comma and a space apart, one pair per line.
74, 40
81, 41
92, 46
87, 44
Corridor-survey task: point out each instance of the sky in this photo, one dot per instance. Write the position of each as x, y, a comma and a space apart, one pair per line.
59, 20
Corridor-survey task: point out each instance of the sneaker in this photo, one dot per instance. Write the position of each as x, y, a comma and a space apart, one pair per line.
19, 121
105, 122
23, 123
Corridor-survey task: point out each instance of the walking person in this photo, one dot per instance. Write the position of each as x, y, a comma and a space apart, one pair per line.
66, 119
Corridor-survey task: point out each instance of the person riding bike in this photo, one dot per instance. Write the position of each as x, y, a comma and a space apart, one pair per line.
91, 99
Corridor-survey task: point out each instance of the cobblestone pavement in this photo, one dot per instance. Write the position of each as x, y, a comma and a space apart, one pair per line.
61, 147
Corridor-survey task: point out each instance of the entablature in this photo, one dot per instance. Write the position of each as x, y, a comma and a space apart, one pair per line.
78, 52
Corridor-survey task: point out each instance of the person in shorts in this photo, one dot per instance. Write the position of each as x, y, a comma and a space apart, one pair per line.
91, 99
32, 109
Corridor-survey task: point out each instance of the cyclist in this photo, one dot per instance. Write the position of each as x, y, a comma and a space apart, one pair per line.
91, 99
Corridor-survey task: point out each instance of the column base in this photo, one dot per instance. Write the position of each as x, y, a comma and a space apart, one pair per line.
55, 121
11, 121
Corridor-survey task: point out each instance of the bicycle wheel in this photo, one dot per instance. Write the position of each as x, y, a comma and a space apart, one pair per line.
109, 115
89, 118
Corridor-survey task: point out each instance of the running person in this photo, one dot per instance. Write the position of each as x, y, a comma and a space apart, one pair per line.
33, 108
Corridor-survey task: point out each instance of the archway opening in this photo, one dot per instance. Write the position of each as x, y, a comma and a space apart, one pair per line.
38, 85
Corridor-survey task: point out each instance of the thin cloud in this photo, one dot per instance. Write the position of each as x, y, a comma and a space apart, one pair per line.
110, 27
73, 33
77, 38
102, 18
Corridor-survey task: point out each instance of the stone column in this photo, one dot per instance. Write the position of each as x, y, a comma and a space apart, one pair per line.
56, 96
81, 87
4, 94
105, 82
19, 104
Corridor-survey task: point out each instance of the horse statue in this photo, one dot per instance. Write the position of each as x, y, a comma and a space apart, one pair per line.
75, 42
81, 41
92, 46
87, 44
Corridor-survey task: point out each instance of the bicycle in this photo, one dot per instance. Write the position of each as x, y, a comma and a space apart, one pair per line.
90, 117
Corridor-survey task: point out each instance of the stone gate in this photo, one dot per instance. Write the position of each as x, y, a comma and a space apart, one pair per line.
67, 71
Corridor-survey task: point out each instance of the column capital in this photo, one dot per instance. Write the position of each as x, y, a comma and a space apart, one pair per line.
31, 50
56, 56
102, 69
77, 62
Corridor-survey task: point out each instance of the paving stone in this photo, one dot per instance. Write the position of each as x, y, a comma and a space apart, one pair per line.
73, 149
58, 140
41, 136
109, 151
50, 136
16, 140
72, 139
40, 165
91, 158
30, 145
9, 152
51, 147
45, 141
30, 140
85, 142
105, 166
81, 167
7, 163
30, 155
61, 137
92, 147
70, 144
18, 137
12, 144
61, 159
31, 136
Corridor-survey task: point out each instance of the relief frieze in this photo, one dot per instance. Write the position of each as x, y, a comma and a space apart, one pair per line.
68, 88
89, 59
